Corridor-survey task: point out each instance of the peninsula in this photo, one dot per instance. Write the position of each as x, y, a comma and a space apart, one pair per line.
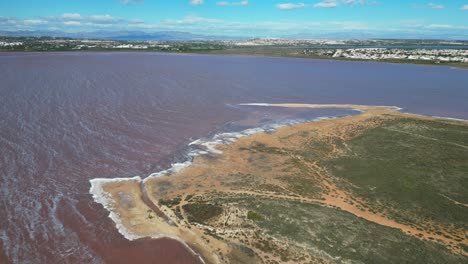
381, 186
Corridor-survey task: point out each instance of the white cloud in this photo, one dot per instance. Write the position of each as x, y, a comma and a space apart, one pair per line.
132, 2
290, 6
326, 4
104, 19
143, 26
96, 19
438, 26
71, 16
260, 28
136, 21
31, 22
355, 2
435, 6
190, 20
72, 23
428, 6
239, 3
196, 2
465, 7
194, 24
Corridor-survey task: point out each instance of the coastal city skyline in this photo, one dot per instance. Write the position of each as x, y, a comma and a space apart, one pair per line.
245, 18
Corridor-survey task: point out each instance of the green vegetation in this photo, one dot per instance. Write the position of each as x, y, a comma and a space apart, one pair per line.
464, 247
242, 180
343, 236
170, 202
414, 170
304, 186
201, 212
270, 188
254, 216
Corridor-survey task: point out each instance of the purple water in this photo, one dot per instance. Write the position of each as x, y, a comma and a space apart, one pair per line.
68, 117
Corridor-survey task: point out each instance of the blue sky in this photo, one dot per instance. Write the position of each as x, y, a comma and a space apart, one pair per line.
256, 18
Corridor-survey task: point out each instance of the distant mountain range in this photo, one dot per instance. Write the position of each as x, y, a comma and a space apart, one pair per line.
187, 36
120, 35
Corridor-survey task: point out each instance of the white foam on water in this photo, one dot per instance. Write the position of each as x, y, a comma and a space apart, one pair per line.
396, 108
175, 168
451, 118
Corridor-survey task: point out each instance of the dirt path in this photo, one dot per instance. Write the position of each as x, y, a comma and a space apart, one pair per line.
452, 200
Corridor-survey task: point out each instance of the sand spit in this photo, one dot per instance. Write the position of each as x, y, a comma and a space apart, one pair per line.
341, 106
104, 198
134, 219
350, 106
122, 198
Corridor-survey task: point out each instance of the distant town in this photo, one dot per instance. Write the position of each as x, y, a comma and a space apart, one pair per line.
391, 50
433, 55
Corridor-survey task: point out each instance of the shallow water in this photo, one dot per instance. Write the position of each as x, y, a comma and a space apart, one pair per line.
68, 117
